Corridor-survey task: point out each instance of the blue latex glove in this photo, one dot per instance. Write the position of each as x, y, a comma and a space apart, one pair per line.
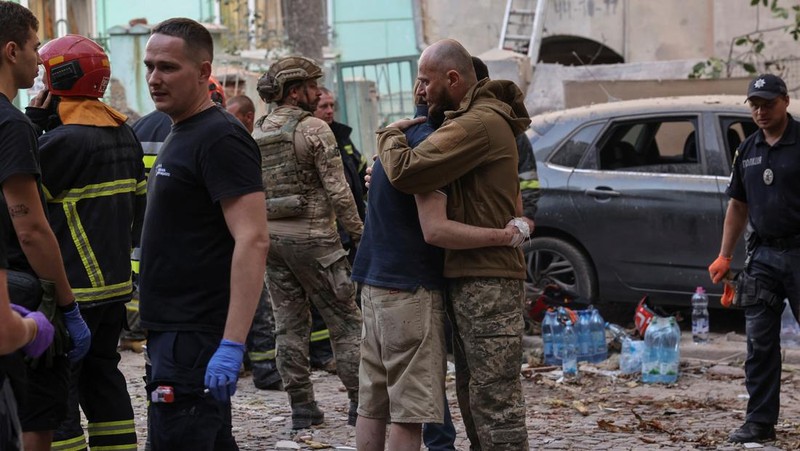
78, 332
223, 370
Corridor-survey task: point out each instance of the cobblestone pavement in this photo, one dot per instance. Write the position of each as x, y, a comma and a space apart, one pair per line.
602, 411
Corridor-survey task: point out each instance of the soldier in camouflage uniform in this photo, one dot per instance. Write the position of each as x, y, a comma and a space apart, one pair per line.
305, 190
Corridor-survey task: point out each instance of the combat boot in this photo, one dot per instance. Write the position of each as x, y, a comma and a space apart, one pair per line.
352, 414
305, 414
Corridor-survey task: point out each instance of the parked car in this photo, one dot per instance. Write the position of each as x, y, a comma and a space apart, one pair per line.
633, 196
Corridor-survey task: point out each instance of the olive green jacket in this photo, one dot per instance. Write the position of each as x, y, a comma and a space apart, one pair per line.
474, 155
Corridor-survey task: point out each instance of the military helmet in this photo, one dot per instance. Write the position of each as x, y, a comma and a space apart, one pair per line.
287, 69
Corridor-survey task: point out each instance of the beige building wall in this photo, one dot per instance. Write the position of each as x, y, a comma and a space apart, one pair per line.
639, 30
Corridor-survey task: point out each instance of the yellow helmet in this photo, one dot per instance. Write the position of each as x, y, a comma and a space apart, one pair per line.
287, 69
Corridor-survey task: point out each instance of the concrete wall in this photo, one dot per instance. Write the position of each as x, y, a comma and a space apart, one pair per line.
546, 92
475, 23
639, 30
580, 93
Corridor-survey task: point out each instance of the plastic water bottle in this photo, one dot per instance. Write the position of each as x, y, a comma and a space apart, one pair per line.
630, 358
569, 361
700, 316
670, 352
558, 336
618, 334
598, 328
651, 367
790, 330
584, 333
547, 337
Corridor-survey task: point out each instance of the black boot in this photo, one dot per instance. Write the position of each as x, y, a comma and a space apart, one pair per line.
305, 414
352, 414
753, 432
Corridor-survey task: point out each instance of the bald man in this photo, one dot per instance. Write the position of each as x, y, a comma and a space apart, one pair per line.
242, 108
473, 158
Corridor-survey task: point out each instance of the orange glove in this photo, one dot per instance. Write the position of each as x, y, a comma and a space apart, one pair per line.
727, 294
719, 268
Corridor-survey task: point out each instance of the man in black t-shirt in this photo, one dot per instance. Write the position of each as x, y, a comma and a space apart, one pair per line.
22, 210
18, 328
204, 247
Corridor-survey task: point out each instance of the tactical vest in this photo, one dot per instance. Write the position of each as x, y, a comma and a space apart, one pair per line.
284, 184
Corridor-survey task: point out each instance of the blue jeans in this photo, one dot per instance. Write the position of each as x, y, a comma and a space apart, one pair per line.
440, 437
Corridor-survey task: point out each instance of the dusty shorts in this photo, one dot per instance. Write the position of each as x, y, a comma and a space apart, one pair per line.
401, 375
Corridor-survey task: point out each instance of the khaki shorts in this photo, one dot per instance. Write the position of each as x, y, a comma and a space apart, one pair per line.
401, 376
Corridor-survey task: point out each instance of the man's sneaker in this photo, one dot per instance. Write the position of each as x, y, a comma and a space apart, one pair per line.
305, 414
352, 414
753, 432
126, 344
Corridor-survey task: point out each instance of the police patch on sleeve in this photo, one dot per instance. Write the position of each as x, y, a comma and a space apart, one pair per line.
448, 136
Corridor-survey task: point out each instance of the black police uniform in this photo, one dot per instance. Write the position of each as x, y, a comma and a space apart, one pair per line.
767, 179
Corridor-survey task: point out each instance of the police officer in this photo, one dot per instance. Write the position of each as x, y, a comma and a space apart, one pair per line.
764, 193
305, 190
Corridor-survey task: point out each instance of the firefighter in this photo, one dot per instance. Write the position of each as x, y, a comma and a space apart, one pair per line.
93, 180
305, 190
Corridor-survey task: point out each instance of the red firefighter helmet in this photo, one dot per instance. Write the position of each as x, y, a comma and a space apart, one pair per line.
215, 91
75, 66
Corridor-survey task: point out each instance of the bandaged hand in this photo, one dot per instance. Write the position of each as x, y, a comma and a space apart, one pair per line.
524, 227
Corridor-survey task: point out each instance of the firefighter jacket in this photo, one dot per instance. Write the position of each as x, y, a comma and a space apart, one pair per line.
474, 154
94, 185
304, 181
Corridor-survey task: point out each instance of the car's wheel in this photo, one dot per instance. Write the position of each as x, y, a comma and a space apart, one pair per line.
552, 260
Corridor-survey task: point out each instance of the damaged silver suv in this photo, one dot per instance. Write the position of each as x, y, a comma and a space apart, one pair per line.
633, 196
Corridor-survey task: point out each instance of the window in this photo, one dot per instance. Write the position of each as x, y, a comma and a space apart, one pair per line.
574, 148
735, 130
668, 146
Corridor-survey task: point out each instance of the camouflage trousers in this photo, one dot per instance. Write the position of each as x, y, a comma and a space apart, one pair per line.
487, 328
305, 273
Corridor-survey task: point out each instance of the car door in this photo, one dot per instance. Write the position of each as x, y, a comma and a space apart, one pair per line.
649, 211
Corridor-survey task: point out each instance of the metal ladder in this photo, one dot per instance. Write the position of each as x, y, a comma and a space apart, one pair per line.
523, 24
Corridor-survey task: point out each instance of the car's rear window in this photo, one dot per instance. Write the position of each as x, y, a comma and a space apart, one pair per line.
573, 149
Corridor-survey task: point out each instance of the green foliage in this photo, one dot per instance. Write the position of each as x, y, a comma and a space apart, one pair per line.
752, 44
